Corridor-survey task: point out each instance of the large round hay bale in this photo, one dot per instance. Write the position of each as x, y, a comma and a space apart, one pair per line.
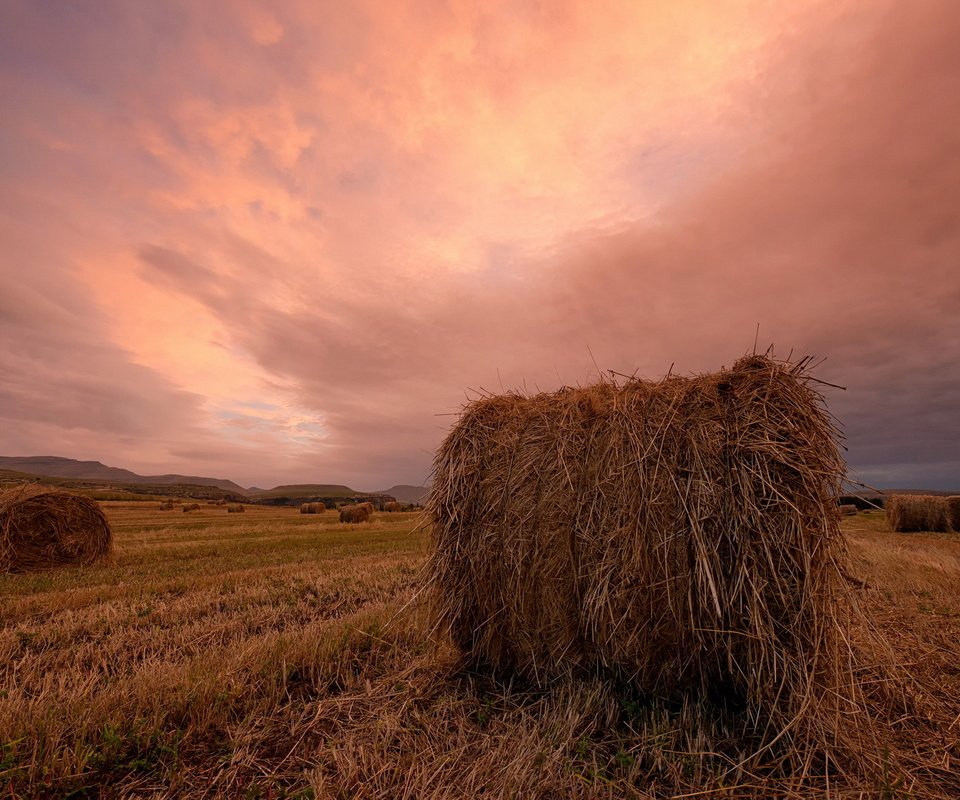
360, 512
392, 506
682, 534
42, 528
911, 513
953, 505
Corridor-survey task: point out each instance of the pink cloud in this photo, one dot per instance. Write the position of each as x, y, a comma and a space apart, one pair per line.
283, 240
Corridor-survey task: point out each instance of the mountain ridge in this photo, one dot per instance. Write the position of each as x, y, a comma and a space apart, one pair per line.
60, 467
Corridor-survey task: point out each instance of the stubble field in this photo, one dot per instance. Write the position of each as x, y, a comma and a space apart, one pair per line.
274, 654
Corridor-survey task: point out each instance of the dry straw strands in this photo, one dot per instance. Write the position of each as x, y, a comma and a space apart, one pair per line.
235, 508
909, 513
953, 504
42, 528
360, 512
682, 534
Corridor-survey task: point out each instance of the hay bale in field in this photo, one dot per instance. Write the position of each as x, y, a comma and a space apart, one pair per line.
909, 513
312, 508
167, 505
42, 528
391, 507
305, 508
192, 507
848, 509
953, 505
235, 508
682, 534
360, 512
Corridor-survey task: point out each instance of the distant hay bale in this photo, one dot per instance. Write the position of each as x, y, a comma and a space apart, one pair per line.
192, 507
953, 504
305, 508
848, 509
682, 534
167, 505
235, 508
42, 528
392, 507
312, 508
360, 512
910, 513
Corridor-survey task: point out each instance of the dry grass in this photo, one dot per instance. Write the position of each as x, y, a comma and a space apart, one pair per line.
42, 528
908, 513
245, 656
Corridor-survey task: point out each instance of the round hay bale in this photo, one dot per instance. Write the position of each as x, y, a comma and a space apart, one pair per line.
848, 510
191, 507
911, 513
305, 508
167, 505
953, 505
42, 528
235, 508
360, 512
392, 507
682, 534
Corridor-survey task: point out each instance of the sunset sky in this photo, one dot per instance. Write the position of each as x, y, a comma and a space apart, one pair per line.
284, 242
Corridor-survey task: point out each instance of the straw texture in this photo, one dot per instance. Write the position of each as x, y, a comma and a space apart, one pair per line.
42, 528
683, 534
911, 513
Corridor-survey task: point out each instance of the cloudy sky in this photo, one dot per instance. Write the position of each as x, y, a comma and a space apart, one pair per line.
281, 242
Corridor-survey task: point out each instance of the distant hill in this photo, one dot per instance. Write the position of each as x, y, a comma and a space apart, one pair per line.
407, 494
57, 467
305, 490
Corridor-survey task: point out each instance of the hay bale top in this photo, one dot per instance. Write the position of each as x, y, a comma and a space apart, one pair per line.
42, 528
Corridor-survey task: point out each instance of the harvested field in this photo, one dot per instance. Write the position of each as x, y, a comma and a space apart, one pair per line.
226, 656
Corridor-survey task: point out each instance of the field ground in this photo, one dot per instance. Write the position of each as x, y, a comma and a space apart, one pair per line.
274, 654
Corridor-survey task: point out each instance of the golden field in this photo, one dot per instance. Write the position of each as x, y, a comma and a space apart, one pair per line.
274, 654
